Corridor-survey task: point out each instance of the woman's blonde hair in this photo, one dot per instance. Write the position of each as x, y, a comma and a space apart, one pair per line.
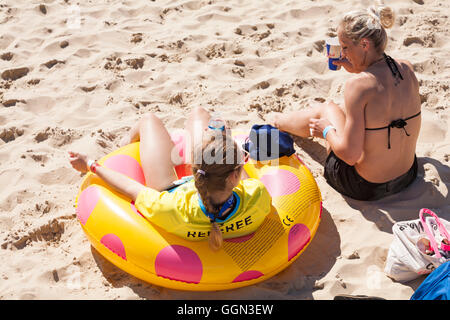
370, 24
220, 156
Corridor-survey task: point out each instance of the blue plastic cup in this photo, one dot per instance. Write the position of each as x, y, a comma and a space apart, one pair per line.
333, 52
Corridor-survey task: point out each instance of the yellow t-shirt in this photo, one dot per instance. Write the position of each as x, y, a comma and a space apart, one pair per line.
179, 212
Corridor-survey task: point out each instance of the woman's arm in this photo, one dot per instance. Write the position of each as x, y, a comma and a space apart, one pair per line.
119, 182
349, 144
346, 64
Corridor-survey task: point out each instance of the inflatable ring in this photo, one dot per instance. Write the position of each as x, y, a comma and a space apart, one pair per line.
132, 243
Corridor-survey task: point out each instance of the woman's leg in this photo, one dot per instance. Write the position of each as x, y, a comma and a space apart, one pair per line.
155, 151
297, 122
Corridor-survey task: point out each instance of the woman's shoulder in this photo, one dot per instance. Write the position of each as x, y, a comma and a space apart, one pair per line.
405, 63
361, 85
407, 70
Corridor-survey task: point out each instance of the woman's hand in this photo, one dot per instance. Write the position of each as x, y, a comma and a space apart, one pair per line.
316, 127
79, 161
346, 64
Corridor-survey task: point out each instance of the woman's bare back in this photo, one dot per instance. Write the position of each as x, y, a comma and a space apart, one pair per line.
390, 102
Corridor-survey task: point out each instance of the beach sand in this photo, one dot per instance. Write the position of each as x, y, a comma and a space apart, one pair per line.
77, 75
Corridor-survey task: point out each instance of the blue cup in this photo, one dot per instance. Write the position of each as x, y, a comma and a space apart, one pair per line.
332, 66
333, 52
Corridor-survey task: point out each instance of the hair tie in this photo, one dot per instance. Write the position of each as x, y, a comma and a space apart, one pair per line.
372, 11
203, 173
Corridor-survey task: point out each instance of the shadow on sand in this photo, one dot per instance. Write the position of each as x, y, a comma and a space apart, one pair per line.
429, 190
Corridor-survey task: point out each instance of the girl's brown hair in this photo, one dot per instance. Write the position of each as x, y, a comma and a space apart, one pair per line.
214, 160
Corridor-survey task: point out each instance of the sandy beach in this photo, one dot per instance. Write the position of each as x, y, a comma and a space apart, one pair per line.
78, 75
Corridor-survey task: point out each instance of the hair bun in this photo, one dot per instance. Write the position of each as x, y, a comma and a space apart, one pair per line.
386, 16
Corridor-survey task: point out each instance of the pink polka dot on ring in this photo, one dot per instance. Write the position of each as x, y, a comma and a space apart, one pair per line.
248, 275
280, 182
299, 236
113, 243
135, 210
126, 165
179, 263
86, 203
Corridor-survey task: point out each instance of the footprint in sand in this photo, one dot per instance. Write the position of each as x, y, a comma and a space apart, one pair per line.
193, 5
263, 85
136, 38
12, 102
43, 8
88, 89
14, 74
7, 56
411, 40
59, 137
63, 44
136, 63
11, 134
50, 64
50, 232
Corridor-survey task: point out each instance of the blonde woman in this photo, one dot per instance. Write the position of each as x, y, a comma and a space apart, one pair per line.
371, 138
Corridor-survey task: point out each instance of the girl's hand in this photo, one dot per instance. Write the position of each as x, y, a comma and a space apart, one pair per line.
79, 161
316, 127
346, 64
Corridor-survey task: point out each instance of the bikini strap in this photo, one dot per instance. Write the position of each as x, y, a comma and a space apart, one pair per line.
399, 123
393, 67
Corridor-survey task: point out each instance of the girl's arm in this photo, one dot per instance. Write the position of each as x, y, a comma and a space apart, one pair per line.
118, 181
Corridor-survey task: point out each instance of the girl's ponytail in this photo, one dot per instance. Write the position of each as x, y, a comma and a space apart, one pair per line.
211, 176
215, 237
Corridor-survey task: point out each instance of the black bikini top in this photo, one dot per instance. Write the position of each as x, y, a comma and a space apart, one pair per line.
399, 123
394, 69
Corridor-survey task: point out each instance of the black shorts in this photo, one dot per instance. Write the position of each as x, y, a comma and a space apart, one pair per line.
346, 180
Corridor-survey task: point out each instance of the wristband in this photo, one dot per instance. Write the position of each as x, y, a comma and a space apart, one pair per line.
325, 131
92, 165
216, 124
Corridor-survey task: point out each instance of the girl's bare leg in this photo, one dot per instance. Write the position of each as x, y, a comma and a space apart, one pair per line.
155, 151
131, 136
196, 124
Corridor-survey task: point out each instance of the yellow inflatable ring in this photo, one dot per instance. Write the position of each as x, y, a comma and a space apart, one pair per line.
128, 240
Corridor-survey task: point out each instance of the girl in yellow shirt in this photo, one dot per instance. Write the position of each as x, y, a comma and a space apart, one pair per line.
218, 201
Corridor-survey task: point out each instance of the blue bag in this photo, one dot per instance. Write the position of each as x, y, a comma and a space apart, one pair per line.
267, 142
436, 286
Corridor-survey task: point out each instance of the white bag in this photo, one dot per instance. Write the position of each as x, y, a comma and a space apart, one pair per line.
419, 247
